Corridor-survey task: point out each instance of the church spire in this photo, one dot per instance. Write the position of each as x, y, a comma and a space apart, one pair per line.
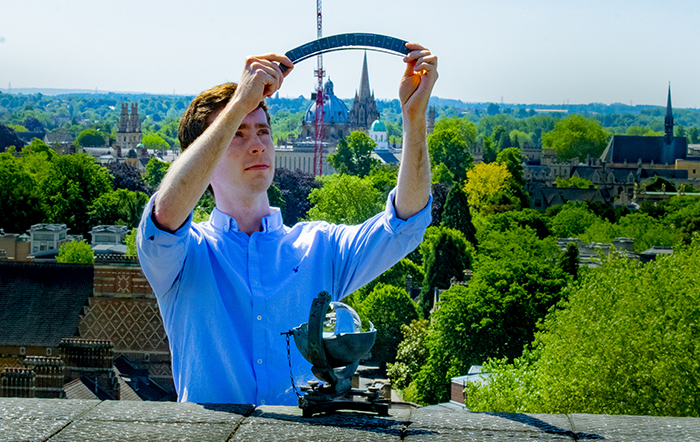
668, 121
364, 81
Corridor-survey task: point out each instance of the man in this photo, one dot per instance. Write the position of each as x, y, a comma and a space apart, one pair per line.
227, 288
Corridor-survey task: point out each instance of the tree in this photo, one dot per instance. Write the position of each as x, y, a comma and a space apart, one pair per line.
344, 199
623, 342
33, 125
295, 187
73, 183
155, 171
155, 142
439, 192
396, 276
448, 147
90, 138
118, 207
484, 182
513, 159
693, 137
574, 181
9, 138
493, 109
456, 214
572, 220
127, 177
20, 194
569, 260
576, 137
388, 308
411, 354
354, 155
526, 218
496, 315
449, 257
76, 252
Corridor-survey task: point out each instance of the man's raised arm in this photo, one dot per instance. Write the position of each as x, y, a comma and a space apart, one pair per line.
190, 175
413, 189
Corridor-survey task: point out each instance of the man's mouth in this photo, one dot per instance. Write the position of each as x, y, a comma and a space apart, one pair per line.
258, 167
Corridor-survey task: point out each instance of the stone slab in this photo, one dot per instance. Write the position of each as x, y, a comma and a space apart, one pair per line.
636, 428
287, 432
29, 430
423, 419
29, 409
168, 412
100, 431
397, 418
483, 436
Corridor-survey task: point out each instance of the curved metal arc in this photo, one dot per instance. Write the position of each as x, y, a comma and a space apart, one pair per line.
339, 42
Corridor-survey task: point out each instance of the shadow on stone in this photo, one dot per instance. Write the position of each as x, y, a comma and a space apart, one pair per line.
544, 426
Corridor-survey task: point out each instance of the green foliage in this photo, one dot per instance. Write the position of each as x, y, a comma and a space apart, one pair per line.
76, 252
447, 146
513, 159
344, 199
155, 171
274, 196
384, 177
442, 175
448, 257
388, 308
574, 181
154, 141
90, 138
511, 290
20, 194
514, 219
625, 342
659, 184
295, 187
456, 214
569, 260
576, 137
130, 241
71, 186
572, 220
118, 207
17, 128
354, 155
411, 354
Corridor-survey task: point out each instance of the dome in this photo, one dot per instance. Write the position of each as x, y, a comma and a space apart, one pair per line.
378, 126
334, 110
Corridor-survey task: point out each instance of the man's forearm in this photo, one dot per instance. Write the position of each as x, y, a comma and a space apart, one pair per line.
413, 189
190, 174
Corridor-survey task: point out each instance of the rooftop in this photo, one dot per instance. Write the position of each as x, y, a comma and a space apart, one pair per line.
93, 420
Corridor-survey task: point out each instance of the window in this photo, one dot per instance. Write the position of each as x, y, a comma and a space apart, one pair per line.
22, 351
48, 351
538, 202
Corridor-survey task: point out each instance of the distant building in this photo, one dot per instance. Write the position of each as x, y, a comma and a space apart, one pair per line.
364, 109
378, 134
108, 235
128, 129
47, 237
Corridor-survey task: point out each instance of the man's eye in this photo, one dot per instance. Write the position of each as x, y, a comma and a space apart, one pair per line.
239, 134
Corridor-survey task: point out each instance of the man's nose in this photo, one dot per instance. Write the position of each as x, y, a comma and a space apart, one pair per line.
256, 145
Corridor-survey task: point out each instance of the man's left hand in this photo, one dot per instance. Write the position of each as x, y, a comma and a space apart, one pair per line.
417, 81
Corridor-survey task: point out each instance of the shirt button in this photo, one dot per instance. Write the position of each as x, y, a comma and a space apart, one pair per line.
259, 361
225, 228
255, 282
262, 402
259, 318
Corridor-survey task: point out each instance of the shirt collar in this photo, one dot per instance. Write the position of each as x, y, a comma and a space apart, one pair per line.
222, 221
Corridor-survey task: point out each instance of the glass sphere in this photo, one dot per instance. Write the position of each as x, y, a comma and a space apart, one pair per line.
341, 318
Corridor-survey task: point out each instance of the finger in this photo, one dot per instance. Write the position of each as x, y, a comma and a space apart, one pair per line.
426, 64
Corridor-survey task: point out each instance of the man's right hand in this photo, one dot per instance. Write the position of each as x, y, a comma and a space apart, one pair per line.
261, 78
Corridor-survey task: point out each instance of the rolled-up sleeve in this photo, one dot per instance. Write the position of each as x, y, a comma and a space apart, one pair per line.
162, 254
367, 250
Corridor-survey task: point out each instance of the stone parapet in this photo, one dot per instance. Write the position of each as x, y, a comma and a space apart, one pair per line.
86, 420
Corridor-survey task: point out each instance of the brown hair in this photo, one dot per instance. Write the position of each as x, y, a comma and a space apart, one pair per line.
195, 120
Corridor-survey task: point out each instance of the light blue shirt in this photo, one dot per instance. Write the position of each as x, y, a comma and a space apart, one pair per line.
225, 297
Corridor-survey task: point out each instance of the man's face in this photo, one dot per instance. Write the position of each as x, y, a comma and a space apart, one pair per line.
248, 164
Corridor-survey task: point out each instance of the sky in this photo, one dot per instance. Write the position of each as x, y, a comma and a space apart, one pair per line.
521, 52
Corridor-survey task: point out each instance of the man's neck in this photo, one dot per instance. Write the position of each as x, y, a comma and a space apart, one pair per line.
248, 212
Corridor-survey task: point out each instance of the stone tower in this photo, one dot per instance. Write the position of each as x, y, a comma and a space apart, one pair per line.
364, 109
129, 128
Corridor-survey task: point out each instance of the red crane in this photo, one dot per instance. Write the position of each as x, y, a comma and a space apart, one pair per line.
318, 118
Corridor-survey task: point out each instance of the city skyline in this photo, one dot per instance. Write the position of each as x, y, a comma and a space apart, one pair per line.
546, 52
